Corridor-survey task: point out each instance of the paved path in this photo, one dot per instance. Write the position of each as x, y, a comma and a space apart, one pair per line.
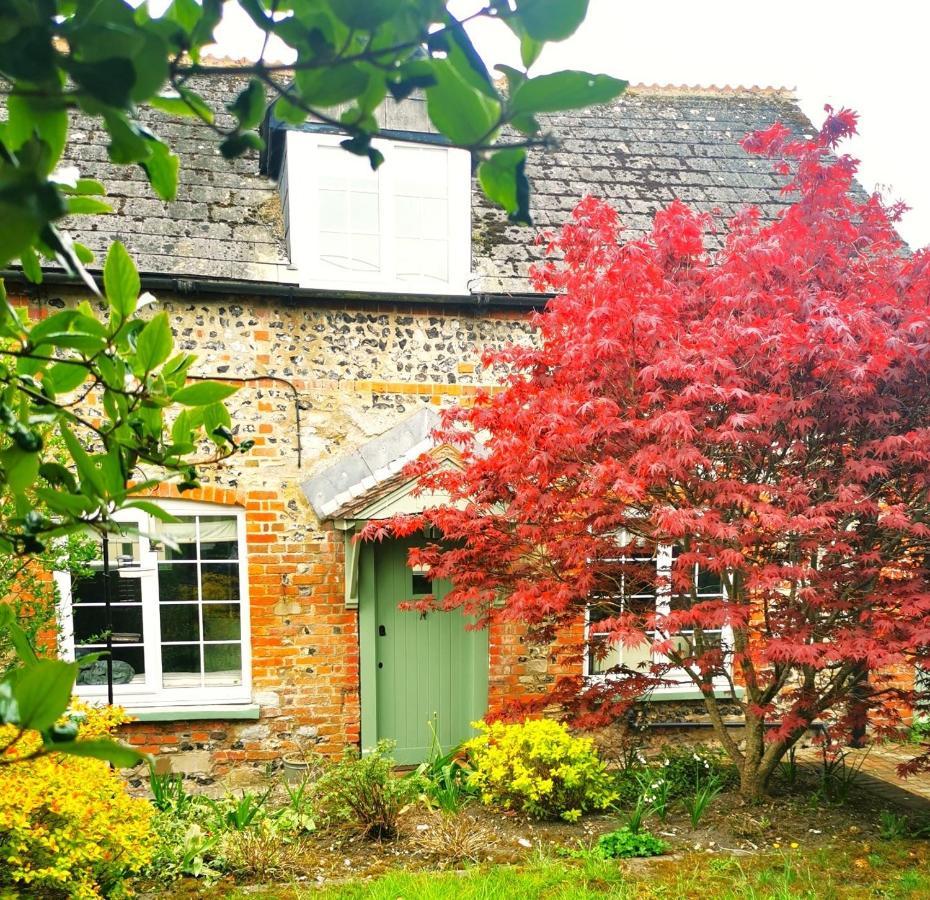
878, 775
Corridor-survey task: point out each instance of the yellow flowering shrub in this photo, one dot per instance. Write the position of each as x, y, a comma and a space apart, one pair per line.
538, 766
67, 825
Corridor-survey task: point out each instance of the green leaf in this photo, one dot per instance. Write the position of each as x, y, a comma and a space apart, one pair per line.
365, 14
45, 116
86, 206
32, 268
203, 393
18, 637
289, 113
62, 378
20, 468
90, 476
238, 144
87, 186
529, 50
463, 114
161, 166
121, 281
186, 103
153, 344
249, 106
153, 509
565, 90
503, 179
42, 692
331, 85
110, 80
120, 755
551, 20
63, 502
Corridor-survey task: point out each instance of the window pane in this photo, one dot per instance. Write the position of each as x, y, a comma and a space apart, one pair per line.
183, 533
177, 582
421, 171
222, 664
90, 589
354, 253
128, 666
90, 623
418, 258
218, 537
219, 582
180, 621
181, 666
333, 210
366, 252
638, 658
363, 213
709, 583
221, 622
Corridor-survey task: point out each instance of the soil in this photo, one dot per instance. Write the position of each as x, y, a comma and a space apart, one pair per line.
431, 840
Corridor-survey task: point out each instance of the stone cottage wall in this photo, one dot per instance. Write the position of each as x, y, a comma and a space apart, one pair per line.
345, 374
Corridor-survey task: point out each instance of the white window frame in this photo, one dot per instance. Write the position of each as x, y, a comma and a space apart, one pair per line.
152, 693
678, 678
302, 166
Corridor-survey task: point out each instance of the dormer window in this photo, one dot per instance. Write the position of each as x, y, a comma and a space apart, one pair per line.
405, 228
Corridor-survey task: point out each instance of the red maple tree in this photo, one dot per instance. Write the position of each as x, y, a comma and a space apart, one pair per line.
758, 413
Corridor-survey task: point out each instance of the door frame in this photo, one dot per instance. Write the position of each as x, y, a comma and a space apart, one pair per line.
367, 622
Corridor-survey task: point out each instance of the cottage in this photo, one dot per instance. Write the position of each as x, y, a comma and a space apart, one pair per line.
349, 306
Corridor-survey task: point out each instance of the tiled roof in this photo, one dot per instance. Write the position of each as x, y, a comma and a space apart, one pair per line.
653, 144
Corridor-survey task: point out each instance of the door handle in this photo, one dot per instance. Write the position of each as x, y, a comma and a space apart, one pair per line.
381, 631
380, 665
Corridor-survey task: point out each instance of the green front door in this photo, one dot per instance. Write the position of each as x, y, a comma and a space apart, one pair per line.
417, 670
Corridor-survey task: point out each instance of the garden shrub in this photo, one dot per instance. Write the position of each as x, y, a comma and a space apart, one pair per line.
675, 773
363, 790
67, 825
539, 767
625, 844
687, 768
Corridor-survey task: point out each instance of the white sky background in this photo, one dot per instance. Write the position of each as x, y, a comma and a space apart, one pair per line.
871, 57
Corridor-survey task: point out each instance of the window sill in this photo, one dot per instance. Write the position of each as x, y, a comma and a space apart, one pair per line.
670, 694
242, 711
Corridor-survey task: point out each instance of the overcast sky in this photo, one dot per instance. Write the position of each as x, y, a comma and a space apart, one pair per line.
870, 56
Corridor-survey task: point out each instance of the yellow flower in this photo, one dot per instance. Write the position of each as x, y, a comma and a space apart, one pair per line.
66, 822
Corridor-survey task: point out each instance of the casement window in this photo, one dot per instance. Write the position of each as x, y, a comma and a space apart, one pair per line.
644, 587
405, 227
179, 610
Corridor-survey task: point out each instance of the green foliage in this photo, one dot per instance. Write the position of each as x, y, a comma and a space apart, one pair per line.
33, 699
892, 825
67, 825
169, 793
443, 777
625, 843
838, 774
62, 470
919, 732
238, 813
106, 58
31, 595
363, 790
697, 805
538, 766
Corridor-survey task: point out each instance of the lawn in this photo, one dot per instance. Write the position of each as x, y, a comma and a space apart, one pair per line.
894, 869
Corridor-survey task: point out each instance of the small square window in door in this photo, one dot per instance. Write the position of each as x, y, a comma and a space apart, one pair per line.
422, 584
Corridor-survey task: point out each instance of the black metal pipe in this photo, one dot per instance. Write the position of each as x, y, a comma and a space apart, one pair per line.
108, 616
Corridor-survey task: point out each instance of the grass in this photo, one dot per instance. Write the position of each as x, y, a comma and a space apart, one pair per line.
893, 871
